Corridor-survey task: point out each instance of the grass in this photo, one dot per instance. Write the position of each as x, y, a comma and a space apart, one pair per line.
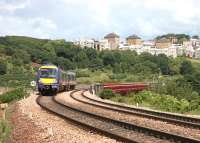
5, 125
9, 97
5, 130
13, 95
15, 80
85, 76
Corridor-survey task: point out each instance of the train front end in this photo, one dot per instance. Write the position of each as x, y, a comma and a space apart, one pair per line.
47, 79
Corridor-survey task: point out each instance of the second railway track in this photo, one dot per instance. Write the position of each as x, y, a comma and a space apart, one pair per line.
167, 117
117, 129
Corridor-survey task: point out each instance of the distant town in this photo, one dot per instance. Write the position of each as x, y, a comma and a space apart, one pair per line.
172, 45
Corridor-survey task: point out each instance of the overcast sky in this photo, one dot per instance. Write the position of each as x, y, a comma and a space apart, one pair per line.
70, 19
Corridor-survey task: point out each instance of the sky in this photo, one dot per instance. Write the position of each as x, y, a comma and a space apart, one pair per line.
72, 19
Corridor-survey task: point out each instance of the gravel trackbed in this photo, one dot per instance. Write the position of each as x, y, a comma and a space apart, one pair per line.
32, 124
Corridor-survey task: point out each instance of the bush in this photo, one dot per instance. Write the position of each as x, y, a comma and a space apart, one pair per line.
83, 73
107, 94
118, 76
3, 68
13, 95
186, 68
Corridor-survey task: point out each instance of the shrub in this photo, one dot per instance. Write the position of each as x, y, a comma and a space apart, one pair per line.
107, 94
3, 68
194, 104
184, 106
83, 73
13, 95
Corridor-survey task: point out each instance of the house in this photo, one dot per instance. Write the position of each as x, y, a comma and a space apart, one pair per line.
163, 43
113, 40
90, 43
134, 40
197, 53
104, 45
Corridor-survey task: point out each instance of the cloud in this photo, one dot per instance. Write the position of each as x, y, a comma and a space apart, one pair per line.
95, 18
36, 27
11, 6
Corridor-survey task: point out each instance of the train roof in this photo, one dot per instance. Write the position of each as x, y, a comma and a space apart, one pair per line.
48, 67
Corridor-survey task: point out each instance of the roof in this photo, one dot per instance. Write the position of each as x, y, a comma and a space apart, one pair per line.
112, 35
133, 37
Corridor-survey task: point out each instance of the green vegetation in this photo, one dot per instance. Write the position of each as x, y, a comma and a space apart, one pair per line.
2, 68
5, 126
5, 130
155, 101
107, 94
13, 95
179, 77
180, 37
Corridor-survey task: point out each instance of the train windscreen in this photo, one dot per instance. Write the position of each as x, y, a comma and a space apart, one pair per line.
48, 73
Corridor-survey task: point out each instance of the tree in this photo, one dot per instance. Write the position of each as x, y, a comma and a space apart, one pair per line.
3, 68
81, 59
108, 59
22, 55
96, 64
163, 63
195, 37
186, 67
91, 53
64, 63
9, 51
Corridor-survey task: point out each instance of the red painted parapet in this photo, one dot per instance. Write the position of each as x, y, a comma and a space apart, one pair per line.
125, 87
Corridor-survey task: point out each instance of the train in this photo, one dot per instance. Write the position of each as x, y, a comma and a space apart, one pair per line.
52, 79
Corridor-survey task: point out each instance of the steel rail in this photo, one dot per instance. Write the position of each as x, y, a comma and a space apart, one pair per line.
172, 118
101, 130
133, 127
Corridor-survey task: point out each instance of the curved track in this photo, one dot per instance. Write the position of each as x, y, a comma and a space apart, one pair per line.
167, 117
116, 129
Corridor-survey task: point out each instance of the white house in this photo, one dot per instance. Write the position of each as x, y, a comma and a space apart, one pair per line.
197, 53
189, 51
104, 45
85, 43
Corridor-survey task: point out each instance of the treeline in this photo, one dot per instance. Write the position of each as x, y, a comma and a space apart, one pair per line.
180, 37
21, 51
18, 53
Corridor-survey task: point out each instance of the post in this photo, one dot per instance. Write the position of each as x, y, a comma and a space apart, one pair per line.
93, 89
3, 108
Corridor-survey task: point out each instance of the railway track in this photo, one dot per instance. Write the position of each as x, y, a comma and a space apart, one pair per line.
119, 130
83, 119
167, 117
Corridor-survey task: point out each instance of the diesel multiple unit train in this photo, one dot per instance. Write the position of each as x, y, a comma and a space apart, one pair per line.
51, 79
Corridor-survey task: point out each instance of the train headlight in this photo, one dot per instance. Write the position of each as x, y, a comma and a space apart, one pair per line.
40, 81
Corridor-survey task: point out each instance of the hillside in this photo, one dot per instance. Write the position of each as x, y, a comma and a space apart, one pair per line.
177, 77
